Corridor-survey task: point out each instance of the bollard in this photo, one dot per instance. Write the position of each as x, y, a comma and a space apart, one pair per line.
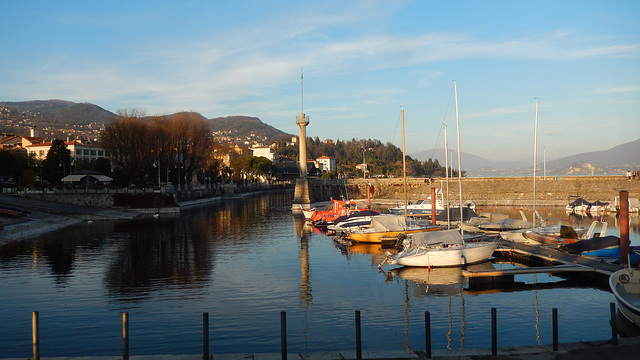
614, 324
494, 332
358, 337
35, 334
125, 336
283, 334
427, 334
555, 328
205, 336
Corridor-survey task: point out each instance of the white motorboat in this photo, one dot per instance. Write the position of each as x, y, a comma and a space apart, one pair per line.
625, 285
441, 249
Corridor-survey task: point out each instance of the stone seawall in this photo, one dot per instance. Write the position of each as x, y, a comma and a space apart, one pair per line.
510, 191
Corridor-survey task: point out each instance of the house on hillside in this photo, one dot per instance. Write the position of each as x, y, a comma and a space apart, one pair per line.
326, 164
16, 142
264, 151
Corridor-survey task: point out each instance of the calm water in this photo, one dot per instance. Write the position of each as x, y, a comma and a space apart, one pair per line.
244, 262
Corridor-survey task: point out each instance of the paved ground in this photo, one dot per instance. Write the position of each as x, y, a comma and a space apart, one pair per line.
627, 349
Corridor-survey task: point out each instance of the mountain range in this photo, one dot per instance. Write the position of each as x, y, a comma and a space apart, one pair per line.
616, 160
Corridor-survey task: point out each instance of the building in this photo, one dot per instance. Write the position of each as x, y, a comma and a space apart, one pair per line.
326, 163
264, 151
17, 142
79, 151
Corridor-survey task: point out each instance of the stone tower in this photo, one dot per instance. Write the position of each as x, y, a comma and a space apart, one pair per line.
301, 199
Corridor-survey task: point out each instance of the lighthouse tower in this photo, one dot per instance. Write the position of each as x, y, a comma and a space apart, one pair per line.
301, 199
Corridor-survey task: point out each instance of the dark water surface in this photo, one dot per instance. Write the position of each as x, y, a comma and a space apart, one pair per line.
245, 261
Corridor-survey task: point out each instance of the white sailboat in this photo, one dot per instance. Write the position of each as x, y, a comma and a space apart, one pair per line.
442, 248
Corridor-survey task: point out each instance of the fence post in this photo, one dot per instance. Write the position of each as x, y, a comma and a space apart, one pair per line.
614, 324
283, 334
35, 334
358, 337
427, 334
125, 336
494, 332
205, 336
555, 328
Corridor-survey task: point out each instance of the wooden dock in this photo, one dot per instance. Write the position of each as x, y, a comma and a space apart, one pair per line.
554, 262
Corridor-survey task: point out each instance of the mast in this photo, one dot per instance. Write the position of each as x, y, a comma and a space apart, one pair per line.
446, 172
404, 167
535, 160
455, 90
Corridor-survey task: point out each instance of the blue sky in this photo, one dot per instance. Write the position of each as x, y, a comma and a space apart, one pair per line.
362, 61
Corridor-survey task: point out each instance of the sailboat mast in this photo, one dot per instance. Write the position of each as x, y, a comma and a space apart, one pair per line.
404, 167
446, 172
535, 160
455, 91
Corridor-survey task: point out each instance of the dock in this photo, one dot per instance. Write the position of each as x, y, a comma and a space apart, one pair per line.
547, 260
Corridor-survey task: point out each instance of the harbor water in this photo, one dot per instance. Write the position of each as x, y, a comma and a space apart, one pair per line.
245, 261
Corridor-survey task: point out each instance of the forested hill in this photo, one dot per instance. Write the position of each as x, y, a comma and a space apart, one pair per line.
243, 126
55, 113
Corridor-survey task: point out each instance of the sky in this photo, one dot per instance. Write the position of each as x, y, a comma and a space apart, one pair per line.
361, 63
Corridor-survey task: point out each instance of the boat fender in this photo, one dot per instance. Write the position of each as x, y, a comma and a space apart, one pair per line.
624, 278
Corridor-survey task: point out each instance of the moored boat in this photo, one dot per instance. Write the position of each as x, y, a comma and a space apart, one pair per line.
444, 248
625, 285
387, 226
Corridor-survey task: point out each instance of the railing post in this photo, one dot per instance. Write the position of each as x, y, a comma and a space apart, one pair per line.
494, 332
555, 328
283, 334
35, 334
358, 337
205, 336
125, 336
427, 334
614, 324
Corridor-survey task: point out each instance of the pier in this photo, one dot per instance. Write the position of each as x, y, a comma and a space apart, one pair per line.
547, 260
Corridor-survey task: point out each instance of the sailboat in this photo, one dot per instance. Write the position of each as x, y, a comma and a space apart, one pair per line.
384, 227
442, 248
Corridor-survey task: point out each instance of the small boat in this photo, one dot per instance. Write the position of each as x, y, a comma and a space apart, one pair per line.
338, 208
598, 207
444, 248
506, 224
578, 206
420, 207
386, 227
352, 222
546, 239
625, 285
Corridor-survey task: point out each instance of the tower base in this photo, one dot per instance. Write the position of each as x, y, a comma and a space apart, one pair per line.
301, 199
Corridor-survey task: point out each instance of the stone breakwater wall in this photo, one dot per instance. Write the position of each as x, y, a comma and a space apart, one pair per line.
484, 191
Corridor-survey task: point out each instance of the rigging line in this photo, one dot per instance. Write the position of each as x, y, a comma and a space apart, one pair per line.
446, 110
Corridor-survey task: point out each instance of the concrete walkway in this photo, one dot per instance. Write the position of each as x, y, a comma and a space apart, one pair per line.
627, 349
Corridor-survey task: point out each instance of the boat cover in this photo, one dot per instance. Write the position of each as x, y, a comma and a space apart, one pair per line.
579, 201
454, 214
599, 203
595, 243
430, 238
388, 223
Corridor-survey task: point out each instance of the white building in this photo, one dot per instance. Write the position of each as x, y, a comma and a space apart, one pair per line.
78, 150
263, 151
326, 163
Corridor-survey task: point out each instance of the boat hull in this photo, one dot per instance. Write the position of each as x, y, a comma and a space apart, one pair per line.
625, 285
377, 237
469, 253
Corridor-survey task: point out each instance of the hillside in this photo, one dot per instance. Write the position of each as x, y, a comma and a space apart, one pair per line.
243, 126
616, 160
56, 112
